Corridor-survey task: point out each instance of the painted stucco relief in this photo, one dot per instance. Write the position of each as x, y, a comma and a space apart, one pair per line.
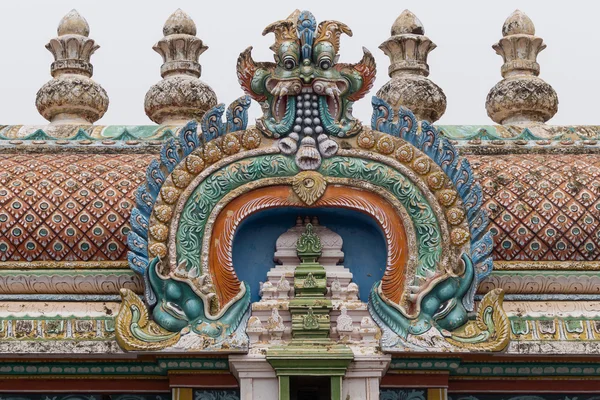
308, 151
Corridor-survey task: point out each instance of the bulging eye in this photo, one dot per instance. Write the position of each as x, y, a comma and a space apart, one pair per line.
325, 63
289, 63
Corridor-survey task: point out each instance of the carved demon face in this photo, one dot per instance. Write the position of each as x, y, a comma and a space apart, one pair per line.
306, 94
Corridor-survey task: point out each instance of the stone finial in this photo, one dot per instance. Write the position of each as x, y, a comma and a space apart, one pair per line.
72, 97
180, 96
408, 48
521, 97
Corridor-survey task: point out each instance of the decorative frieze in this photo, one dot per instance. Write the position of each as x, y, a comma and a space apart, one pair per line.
57, 328
543, 282
158, 368
38, 282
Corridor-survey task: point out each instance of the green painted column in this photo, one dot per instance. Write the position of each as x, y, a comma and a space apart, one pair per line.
284, 387
336, 388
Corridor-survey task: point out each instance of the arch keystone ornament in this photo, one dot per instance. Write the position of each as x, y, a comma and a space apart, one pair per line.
309, 186
308, 151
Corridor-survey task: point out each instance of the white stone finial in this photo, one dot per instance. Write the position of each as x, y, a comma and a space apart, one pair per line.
408, 49
518, 23
407, 22
521, 97
180, 96
179, 23
73, 24
72, 97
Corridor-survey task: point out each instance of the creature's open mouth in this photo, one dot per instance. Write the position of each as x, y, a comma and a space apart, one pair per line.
292, 100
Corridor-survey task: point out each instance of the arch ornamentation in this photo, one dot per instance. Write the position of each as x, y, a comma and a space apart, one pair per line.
402, 173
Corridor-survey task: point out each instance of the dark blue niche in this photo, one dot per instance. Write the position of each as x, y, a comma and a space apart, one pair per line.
365, 252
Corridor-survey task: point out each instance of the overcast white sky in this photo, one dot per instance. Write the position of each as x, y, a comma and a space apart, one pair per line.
463, 65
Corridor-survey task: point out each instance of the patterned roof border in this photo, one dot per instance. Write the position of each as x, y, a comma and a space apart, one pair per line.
87, 132
163, 132
520, 133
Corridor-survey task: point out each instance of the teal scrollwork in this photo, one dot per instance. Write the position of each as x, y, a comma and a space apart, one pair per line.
427, 229
441, 307
402, 394
208, 193
171, 154
212, 189
404, 125
216, 394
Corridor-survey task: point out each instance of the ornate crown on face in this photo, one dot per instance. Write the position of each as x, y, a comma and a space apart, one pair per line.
306, 94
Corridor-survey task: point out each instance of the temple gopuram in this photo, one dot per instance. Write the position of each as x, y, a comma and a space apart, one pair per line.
308, 254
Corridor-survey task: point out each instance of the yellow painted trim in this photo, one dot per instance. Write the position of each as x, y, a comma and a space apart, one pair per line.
182, 393
437, 394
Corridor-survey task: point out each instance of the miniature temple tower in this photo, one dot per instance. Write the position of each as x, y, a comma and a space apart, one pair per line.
522, 96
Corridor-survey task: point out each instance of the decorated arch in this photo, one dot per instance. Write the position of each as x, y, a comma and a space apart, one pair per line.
309, 151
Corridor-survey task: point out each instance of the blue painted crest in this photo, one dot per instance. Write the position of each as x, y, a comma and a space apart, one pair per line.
172, 152
457, 168
307, 24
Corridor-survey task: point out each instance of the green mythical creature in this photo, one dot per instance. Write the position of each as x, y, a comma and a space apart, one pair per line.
306, 94
441, 307
184, 299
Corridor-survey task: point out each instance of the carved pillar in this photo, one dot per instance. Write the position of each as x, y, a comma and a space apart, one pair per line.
256, 377
364, 375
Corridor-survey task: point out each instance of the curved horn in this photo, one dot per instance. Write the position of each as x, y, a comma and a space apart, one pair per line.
284, 30
330, 31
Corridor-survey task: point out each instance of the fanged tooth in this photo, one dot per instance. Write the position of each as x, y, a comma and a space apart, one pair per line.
193, 273
419, 280
329, 92
414, 289
283, 92
334, 114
